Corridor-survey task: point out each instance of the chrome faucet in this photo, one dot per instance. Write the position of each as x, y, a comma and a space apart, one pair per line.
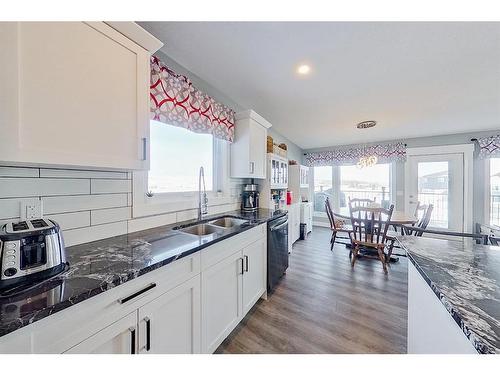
202, 197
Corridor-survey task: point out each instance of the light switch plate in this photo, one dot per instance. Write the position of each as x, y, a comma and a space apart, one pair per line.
31, 210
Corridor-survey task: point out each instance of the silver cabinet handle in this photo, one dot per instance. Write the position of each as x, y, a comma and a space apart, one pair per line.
242, 266
252, 167
246, 263
144, 148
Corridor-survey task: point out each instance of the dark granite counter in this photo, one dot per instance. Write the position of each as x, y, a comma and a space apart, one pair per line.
98, 266
465, 277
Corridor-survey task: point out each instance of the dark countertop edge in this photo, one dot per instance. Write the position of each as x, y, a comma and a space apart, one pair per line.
117, 281
476, 342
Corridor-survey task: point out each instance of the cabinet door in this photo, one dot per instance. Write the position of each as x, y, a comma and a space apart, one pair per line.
258, 138
221, 304
254, 278
171, 323
118, 338
83, 96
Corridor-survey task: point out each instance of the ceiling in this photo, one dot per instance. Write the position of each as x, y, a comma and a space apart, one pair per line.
414, 79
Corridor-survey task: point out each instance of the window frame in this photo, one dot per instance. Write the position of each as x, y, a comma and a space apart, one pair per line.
160, 203
487, 191
336, 181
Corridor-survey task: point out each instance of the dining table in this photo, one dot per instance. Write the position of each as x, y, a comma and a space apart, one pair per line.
398, 217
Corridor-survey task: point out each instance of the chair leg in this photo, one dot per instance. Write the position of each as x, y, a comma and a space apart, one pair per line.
355, 252
334, 237
381, 256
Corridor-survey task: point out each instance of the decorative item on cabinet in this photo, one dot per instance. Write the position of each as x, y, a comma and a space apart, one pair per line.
248, 151
270, 144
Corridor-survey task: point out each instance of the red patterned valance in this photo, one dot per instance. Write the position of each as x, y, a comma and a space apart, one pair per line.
175, 101
344, 156
489, 147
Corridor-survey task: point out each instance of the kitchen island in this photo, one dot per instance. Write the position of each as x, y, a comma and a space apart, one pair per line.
453, 296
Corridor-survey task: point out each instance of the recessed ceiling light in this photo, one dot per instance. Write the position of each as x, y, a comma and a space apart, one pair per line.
304, 69
366, 124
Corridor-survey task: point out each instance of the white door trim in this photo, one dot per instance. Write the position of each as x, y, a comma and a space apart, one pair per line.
467, 150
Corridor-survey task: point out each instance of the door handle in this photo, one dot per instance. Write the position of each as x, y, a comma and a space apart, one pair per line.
148, 333
252, 167
132, 340
242, 266
246, 263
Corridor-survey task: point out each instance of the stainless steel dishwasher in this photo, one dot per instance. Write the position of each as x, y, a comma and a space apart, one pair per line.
277, 250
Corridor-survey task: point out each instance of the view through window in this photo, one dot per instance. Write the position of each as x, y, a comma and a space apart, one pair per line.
433, 187
365, 183
495, 191
176, 157
322, 187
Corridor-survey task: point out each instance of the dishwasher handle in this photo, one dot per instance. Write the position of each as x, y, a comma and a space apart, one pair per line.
278, 227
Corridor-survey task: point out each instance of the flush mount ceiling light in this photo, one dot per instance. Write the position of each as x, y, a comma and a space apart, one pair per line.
303, 69
366, 124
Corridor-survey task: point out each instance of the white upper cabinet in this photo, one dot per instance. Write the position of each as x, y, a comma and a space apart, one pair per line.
248, 151
78, 94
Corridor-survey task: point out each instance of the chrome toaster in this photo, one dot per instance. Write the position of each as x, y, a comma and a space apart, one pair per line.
30, 251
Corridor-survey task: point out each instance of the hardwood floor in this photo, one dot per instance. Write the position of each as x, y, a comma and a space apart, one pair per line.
322, 305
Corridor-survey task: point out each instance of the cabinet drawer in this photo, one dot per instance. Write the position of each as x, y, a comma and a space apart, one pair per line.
215, 253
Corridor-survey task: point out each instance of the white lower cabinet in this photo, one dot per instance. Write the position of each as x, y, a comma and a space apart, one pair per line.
118, 338
168, 324
171, 323
229, 290
188, 306
255, 276
221, 306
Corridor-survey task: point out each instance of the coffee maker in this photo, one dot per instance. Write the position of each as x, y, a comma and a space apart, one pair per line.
250, 197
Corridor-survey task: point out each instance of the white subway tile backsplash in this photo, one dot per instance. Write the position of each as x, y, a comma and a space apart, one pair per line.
186, 215
110, 186
142, 223
10, 208
73, 173
71, 220
92, 205
110, 215
94, 233
52, 205
29, 187
18, 172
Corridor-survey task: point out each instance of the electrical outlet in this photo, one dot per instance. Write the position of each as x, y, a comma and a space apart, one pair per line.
31, 210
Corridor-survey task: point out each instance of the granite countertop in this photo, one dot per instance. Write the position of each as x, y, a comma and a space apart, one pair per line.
465, 276
98, 266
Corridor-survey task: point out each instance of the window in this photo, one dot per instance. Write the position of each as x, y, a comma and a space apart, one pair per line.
176, 157
366, 183
322, 187
494, 203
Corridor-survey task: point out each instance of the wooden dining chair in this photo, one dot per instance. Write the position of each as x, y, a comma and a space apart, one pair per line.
370, 231
423, 221
492, 232
336, 225
361, 202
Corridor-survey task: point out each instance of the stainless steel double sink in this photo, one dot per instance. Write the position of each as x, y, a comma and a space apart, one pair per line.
213, 226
